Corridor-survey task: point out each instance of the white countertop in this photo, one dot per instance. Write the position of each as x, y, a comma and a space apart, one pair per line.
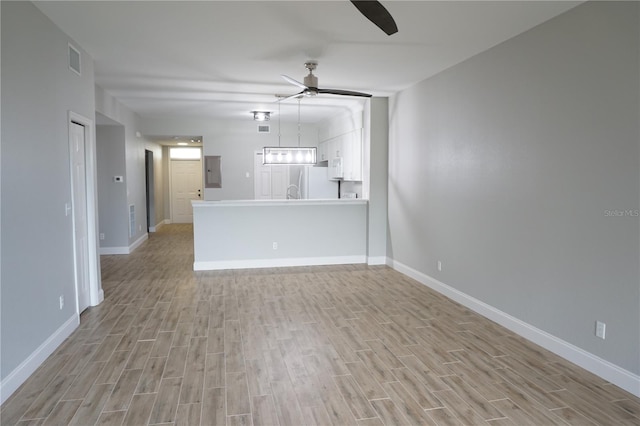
238, 203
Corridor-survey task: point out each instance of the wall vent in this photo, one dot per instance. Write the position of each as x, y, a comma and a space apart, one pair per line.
264, 128
74, 60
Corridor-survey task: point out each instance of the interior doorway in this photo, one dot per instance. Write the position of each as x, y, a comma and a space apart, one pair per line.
83, 207
149, 188
80, 228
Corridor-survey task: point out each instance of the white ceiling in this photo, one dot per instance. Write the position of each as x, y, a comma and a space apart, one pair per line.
222, 59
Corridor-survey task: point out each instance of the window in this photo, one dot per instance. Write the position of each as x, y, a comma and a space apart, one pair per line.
184, 153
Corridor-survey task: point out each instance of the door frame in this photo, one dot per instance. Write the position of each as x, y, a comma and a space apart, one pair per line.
149, 189
96, 294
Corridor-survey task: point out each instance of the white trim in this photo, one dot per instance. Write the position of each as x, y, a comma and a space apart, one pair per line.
26, 368
590, 362
114, 250
157, 226
124, 250
276, 263
278, 203
95, 285
377, 260
138, 242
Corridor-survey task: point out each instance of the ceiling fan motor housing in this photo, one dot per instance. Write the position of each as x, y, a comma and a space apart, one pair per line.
311, 81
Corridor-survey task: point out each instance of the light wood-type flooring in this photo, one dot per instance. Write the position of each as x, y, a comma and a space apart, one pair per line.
334, 345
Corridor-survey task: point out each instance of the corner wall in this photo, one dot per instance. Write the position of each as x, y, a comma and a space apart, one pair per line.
112, 196
133, 151
519, 170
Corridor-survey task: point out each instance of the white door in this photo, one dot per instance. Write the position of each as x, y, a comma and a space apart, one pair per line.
271, 181
81, 242
186, 185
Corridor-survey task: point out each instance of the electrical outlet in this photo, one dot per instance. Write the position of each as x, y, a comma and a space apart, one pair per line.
439, 266
601, 329
275, 245
102, 235
61, 302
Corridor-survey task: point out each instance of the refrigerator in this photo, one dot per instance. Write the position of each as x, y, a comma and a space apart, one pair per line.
314, 183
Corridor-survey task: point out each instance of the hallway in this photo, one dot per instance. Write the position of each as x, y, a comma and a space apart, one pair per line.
291, 346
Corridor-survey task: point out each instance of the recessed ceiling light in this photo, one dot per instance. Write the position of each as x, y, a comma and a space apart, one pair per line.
182, 143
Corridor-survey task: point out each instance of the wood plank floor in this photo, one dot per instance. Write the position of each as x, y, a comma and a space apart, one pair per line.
337, 345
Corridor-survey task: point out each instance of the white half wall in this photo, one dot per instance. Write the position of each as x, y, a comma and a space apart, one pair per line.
256, 234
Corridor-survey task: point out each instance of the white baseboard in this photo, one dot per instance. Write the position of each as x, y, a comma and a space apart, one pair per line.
26, 368
138, 242
158, 226
377, 260
590, 362
100, 298
124, 250
276, 263
113, 250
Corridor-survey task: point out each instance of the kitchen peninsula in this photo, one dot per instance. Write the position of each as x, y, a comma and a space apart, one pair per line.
276, 233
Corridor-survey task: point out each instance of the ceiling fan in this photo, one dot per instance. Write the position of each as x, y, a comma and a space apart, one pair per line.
310, 86
376, 13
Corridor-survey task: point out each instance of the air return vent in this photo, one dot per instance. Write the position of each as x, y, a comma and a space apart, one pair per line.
74, 60
264, 128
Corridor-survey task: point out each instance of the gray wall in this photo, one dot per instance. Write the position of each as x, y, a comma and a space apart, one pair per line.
38, 90
112, 196
234, 140
133, 152
376, 165
504, 167
237, 234
159, 188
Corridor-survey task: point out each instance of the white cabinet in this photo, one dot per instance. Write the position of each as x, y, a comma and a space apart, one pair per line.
323, 152
344, 153
352, 157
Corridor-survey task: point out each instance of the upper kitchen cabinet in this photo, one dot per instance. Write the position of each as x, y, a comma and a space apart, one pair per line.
323, 152
344, 155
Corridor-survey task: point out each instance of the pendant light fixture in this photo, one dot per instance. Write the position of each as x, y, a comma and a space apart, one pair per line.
289, 154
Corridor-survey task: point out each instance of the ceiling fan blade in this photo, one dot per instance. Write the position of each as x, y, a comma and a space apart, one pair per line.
294, 82
286, 98
344, 92
376, 13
